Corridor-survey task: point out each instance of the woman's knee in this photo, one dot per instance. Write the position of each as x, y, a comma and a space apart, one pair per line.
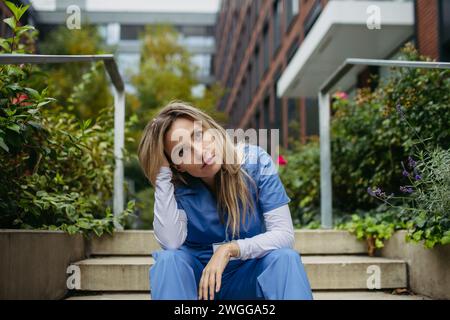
283, 254
175, 259
169, 255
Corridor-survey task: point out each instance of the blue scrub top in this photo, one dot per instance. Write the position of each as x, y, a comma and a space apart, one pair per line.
196, 199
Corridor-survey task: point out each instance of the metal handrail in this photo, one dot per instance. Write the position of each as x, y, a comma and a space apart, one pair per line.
324, 120
119, 107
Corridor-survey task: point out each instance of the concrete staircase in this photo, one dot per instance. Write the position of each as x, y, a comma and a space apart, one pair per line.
337, 266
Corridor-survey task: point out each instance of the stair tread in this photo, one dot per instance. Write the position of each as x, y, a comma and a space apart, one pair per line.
117, 260
143, 242
312, 259
363, 295
318, 295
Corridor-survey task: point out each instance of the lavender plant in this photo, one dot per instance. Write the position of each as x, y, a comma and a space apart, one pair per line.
425, 198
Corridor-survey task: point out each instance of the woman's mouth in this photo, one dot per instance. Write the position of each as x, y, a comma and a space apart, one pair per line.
208, 161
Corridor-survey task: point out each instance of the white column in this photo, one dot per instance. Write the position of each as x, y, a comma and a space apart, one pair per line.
119, 140
325, 162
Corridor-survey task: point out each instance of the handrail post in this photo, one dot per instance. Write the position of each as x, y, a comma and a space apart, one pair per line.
325, 162
119, 140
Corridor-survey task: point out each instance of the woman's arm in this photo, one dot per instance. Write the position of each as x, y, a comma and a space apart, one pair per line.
279, 234
170, 223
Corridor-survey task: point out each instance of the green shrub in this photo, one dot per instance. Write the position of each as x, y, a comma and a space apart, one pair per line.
56, 172
369, 141
374, 226
145, 200
301, 179
373, 137
429, 202
426, 199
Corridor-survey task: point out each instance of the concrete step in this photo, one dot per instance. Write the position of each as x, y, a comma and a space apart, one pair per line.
318, 295
325, 272
363, 295
307, 242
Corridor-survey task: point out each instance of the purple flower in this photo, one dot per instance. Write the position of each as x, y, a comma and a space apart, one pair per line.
405, 173
376, 193
418, 177
411, 162
406, 189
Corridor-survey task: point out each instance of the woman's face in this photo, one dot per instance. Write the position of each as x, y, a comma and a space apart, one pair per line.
192, 148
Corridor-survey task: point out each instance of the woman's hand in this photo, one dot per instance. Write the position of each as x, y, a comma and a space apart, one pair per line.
212, 274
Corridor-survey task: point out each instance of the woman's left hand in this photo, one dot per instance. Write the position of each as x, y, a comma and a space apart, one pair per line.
212, 274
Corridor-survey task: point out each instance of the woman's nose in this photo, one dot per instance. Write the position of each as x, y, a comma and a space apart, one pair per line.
198, 153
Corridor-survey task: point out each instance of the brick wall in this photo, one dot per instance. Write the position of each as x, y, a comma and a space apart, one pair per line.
427, 25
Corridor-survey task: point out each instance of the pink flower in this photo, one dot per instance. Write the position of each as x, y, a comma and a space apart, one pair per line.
281, 161
19, 98
341, 95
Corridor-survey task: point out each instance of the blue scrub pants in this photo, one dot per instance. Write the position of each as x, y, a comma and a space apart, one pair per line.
279, 275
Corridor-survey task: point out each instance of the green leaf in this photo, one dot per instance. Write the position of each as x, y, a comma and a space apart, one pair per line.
43, 103
23, 29
14, 127
378, 243
5, 44
10, 112
3, 145
72, 229
33, 93
17, 11
11, 22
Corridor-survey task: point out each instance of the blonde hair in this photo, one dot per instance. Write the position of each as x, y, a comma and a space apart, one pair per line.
232, 191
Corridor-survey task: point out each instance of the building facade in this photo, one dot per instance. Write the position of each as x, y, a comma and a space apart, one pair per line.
273, 55
121, 26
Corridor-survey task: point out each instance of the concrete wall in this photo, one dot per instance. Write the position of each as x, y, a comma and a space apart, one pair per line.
33, 263
428, 270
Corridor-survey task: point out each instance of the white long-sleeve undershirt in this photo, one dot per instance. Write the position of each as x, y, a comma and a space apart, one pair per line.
170, 223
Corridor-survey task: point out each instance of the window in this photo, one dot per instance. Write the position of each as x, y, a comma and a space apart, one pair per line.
256, 73
313, 14
130, 32
293, 121
444, 17
248, 88
257, 120
278, 124
203, 63
266, 47
276, 25
292, 50
266, 112
291, 11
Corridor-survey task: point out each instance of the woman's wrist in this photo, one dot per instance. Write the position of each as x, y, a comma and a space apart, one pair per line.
233, 249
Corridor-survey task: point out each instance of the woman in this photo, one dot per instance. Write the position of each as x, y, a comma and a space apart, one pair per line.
207, 192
